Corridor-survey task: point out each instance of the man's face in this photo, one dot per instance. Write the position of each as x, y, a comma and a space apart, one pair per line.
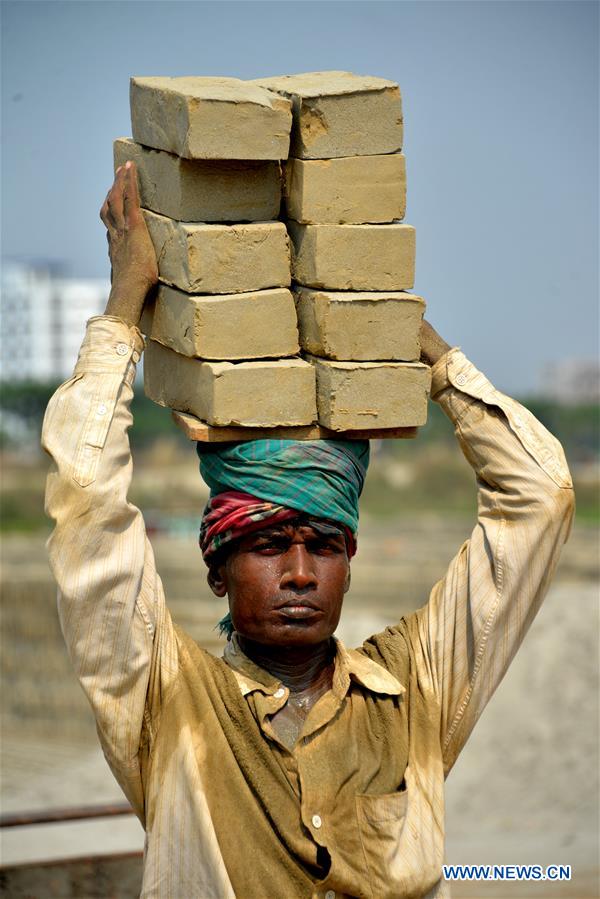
286, 584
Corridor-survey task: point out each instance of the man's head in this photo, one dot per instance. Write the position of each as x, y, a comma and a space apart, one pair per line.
278, 533
285, 583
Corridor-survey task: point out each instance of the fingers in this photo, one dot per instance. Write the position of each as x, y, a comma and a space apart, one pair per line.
131, 197
115, 200
104, 215
111, 212
107, 219
121, 208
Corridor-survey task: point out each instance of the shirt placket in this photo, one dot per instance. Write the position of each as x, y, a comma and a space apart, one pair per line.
315, 803
314, 809
298, 762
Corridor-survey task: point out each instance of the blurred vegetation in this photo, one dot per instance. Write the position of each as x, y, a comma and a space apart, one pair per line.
421, 476
28, 401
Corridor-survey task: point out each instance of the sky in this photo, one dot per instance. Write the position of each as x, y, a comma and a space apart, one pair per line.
501, 139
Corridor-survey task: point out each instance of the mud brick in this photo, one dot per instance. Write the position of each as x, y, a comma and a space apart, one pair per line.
365, 326
212, 258
341, 114
253, 325
356, 395
350, 190
353, 257
210, 118
254, 394
203, 190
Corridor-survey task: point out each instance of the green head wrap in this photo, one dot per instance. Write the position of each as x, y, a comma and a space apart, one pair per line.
323, 478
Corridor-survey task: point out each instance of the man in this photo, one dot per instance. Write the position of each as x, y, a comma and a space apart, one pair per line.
292, 767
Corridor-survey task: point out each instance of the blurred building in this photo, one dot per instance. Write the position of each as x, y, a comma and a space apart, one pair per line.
42, 319
573, 381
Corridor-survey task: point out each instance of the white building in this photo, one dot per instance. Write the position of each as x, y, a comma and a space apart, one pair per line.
42, 320
573, 381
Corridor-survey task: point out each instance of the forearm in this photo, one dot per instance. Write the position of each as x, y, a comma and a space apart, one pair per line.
127, 308
433, 347
110, 599
479, 613
86, 413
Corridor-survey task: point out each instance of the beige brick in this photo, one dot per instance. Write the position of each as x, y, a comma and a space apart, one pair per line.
211, 259
363, 326
354, 189
210, 118
353, 257
212, 190
341, 114
253, 325
356, 395
254, 394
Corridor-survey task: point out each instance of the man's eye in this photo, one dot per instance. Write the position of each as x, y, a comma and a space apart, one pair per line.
322, 547
268, 546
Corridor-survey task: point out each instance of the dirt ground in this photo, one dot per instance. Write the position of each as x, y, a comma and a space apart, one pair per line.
525, 789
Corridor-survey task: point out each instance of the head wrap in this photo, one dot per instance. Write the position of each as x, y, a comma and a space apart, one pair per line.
261, 482
232, 515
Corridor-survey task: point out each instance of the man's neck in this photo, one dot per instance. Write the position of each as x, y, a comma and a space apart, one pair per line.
299, 668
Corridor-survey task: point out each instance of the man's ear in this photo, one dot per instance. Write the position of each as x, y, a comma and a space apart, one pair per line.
348, 579
217, 580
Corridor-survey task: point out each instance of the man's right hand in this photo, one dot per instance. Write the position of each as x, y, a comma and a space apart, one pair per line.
134, 271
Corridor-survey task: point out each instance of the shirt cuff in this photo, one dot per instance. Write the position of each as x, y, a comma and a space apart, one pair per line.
455, 370
110, 345
458, 387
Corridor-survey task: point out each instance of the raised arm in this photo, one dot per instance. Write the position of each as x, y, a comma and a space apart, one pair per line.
479, 613
111, 603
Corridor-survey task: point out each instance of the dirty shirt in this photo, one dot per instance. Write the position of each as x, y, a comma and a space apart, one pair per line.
356, 808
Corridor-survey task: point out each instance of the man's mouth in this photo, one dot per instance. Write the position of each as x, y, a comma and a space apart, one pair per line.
299, 608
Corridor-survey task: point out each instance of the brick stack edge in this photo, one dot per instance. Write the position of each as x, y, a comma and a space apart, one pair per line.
225, 331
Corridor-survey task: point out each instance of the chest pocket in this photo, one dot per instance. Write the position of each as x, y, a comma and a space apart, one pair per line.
384, 810
381, 819
403, 848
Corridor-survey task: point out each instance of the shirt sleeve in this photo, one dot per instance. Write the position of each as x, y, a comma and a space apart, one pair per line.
479, 613
111, 604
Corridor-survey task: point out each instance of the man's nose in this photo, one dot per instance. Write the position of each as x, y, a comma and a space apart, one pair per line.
299, 573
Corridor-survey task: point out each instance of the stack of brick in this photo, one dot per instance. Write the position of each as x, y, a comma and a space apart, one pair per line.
223, 330
353, 259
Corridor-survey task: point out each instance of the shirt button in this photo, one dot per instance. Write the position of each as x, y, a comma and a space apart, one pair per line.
136, 356
329, 894
279, 693
101, 410
122, 349
518, 421
461, 379
316, 820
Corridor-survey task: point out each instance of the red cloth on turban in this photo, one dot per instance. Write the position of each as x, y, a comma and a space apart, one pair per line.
232, 514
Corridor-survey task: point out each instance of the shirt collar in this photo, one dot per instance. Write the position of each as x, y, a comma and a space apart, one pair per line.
366, 672
249, 676
350, 664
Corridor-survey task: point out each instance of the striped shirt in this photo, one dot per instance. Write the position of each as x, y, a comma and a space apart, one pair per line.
356, 808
